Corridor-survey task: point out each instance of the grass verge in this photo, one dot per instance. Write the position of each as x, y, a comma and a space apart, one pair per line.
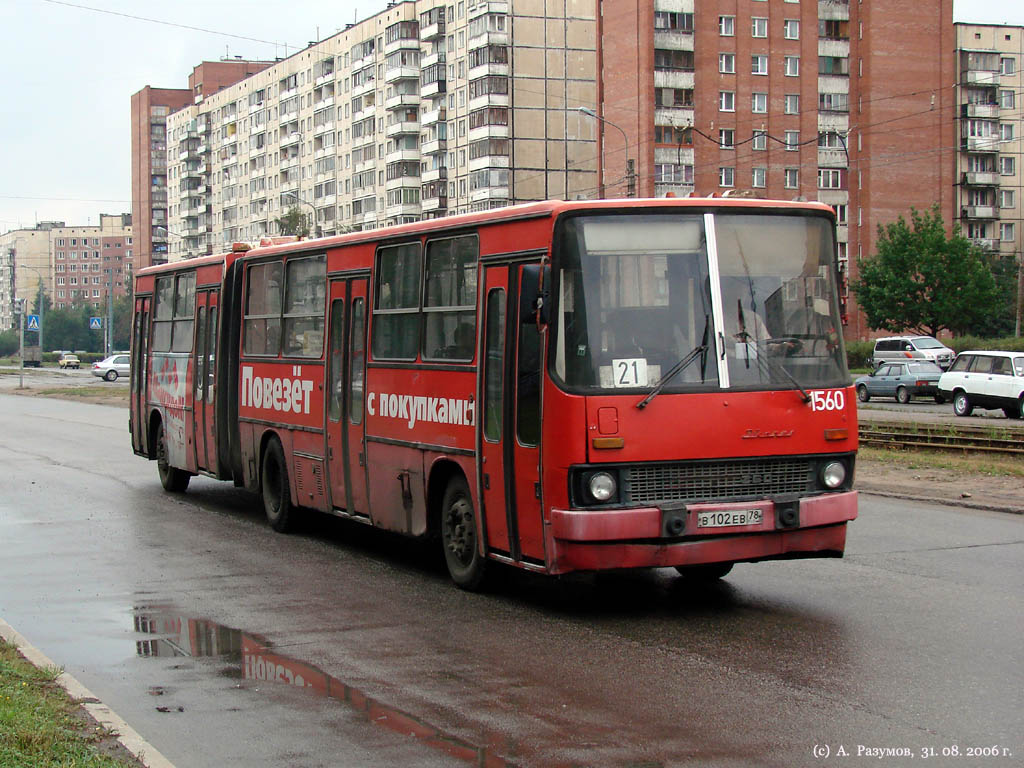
1005, 466
41, 726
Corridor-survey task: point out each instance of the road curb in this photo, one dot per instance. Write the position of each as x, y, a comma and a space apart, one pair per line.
129, 738
946, 502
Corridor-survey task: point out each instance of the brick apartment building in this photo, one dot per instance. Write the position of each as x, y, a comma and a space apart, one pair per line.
428, 109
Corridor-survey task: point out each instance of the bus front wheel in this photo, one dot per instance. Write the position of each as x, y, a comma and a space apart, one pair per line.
277, 499
172, 479
460, 537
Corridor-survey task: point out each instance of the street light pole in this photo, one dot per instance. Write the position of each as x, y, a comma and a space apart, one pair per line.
630, 182
41, 301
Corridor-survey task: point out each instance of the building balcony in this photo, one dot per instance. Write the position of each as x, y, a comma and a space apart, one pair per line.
834, 10
365, 87
679, 190
323, 104
981, 179
289, 162
432, 31
988, 111
489, 161
434, 174
482, 70
291, 139
980, 144
402, 155
289, 117
433, 88
492, 37
489, 100
488, 132
831, 157
401, 182
979, 77
400, 100
433, 204
674, 40
288, 94
364, 113
403, 209
323, 128
402, 43
433, 146
326, 78
673, 78
397, 129
488, 193
402, 73
366, 165
482, 8
985, 243
980, 212
433, 116
437, 57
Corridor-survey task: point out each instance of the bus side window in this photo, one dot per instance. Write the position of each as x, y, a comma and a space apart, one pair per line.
396, 310
357, 361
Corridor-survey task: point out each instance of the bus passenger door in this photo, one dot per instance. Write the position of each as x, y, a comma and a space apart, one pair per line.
139, 375
509, 421
205, 422
346, 367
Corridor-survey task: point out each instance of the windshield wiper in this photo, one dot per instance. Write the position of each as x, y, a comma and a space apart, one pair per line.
699, 351
770, 365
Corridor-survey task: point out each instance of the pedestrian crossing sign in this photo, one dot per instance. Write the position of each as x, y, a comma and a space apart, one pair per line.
95, 323
32, 322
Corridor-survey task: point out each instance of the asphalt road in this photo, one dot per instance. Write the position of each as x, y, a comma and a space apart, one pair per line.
224, 643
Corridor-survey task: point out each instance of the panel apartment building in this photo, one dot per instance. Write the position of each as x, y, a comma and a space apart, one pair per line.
988, 171
429, 109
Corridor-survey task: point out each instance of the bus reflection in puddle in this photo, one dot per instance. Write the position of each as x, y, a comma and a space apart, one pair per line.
174, 635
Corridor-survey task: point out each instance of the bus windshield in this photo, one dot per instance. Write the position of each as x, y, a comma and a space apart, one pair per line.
754, 303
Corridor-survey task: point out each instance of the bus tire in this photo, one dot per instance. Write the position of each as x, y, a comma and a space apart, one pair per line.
173, 480
460, 538
277, 498
709, 572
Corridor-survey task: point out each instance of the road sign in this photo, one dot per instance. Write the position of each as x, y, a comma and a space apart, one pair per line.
95, 323
32, 322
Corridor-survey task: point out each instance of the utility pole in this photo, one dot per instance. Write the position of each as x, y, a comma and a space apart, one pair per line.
19, 305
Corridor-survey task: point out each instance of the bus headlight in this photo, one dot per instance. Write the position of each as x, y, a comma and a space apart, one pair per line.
601, 486
833, 474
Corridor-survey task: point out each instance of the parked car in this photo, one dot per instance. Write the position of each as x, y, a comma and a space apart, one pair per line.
893, 349
985, 379
69, 361
112, 367
900, 380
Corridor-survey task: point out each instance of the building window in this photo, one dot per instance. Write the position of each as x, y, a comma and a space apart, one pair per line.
833, 102
792, 141
1007, 65
758, 177
759, 27
673, 174
1006, 198
726, 138
726, 176
727, 63
830, 140
791, 29
1006, 99
1006, 131
726, 101
669, 20
792, 105
841, 211
791, 66
830, 178
833, 65
727, 26
1006, 166
759, 102
1005, 231
759, 140
792, 178
759, 64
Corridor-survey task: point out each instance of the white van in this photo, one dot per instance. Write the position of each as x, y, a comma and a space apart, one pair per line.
898, 348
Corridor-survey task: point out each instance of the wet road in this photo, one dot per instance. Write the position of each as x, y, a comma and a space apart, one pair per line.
226, 644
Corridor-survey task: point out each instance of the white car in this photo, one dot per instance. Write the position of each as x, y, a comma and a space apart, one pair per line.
111, 367
985, 379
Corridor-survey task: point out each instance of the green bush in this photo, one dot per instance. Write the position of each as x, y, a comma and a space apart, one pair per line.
1008, 343
858, 354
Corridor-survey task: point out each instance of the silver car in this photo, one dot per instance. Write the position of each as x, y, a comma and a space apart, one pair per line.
111, 367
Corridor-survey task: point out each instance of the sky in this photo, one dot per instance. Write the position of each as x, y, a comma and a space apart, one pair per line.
74, 64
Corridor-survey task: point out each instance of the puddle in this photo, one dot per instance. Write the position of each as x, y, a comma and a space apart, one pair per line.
250, 657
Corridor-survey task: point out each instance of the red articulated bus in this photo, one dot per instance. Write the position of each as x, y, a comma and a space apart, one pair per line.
557, 386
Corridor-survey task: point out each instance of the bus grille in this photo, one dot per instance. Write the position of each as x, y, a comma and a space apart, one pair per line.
724, 480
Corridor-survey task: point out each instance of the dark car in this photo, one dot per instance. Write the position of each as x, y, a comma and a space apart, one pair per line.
900, 380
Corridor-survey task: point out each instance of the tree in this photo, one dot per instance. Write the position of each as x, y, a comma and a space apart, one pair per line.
920, 280
293, 223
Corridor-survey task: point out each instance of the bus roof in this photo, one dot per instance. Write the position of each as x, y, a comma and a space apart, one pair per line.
541, 209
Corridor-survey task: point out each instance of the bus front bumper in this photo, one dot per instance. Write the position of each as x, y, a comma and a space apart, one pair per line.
649, 537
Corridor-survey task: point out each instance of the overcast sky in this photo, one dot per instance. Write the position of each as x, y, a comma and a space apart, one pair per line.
73, 66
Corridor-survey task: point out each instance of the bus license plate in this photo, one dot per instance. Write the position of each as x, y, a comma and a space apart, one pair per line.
726, 518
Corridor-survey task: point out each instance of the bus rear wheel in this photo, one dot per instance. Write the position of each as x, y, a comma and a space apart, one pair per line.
709, 572
277, 499
172, 479
460, 538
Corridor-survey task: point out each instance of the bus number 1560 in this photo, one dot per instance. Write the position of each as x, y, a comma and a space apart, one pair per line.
828, 400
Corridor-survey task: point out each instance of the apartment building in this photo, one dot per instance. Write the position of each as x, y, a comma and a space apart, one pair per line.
848, 103
988, 161
423, 110
149, 110
24, 266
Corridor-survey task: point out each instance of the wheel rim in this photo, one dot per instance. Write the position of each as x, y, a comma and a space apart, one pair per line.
960, 403
862, 393
902, 396
460, 531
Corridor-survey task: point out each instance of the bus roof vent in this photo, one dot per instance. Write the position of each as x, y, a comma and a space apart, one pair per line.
278, 240
239, 247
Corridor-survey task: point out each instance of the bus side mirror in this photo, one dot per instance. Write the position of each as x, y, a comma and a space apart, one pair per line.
533, 300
